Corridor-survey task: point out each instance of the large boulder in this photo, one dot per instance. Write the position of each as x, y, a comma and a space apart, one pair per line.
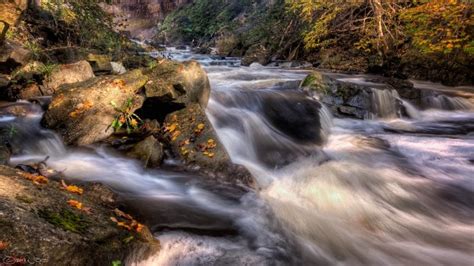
181, 83
40, 224
193, 140
68, 73
83, 112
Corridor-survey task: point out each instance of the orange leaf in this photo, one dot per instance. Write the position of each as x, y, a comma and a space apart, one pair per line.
37, 179
3, 245
76, 204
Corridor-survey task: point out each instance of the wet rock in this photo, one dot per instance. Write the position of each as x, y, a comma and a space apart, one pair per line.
354, 96
256, 53
194, 141
181, 83
100, 63
295, 115
39, 225
83, 112
69, 73
149, 151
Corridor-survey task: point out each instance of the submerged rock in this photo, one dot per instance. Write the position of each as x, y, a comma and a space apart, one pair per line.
39, 225
83, 112
193, 140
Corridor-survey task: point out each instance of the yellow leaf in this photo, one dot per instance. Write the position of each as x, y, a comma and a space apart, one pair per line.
3, 245
76, 204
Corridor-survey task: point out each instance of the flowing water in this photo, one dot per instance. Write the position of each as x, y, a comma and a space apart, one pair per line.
332, 191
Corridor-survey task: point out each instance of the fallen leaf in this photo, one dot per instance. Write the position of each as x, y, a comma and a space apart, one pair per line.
3, 245
76, 204
72, 189
37, 179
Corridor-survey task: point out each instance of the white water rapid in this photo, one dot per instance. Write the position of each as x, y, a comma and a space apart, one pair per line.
332, 191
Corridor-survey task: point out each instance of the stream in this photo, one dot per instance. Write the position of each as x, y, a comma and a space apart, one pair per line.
332, 191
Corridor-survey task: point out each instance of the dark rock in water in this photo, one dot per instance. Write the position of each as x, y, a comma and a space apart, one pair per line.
38, 224
149, 151
83, 112
194, 141
181, 83
258, 54
181, 47
295, 115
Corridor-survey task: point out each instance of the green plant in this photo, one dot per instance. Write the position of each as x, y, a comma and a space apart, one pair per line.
35, 49
47, 69
125, 117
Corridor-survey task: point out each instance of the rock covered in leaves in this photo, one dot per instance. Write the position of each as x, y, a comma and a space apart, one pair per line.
84, 112
45, 222
182, 83
193, 139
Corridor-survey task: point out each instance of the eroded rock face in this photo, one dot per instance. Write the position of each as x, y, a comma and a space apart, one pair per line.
83, 112
181, 83
38, 224
193, 140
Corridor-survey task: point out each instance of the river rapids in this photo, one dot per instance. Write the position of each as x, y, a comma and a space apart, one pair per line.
365, 192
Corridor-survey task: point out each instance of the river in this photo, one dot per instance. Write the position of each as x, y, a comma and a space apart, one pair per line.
331, 191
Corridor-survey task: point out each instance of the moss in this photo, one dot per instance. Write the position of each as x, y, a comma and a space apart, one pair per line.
316, 83
24, 198
66, 220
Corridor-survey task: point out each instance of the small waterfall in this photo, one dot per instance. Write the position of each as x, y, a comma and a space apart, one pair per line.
444, 102
410, 109
385, 104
